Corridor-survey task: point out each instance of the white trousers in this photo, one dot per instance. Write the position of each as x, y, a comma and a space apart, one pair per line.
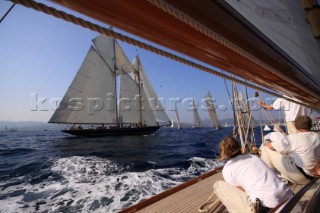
282, 165
234, 199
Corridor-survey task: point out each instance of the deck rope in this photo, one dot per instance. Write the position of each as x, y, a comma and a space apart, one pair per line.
168, 8
89, 25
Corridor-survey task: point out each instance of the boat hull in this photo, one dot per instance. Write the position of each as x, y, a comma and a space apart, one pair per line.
113, 131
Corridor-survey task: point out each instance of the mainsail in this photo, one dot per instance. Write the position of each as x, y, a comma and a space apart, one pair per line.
92, 96
139, 75
211, 110
197, 119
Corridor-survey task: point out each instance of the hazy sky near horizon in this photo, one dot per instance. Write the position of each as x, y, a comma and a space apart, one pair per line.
40, 56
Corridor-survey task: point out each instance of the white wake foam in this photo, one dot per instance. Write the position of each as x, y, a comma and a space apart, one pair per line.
92, 184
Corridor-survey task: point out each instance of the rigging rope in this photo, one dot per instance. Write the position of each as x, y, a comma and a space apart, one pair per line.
5, 15
95, 27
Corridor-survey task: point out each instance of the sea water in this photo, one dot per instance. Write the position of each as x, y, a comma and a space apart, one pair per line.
49, 171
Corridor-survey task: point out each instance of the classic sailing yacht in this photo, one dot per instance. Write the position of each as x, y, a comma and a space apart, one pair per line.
273, 44
91, 98
196, 117
212, 112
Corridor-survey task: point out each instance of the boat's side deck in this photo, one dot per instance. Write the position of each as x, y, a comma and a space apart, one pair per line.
190, 198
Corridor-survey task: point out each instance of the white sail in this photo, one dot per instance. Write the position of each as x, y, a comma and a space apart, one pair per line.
211, 110
112, 52
129, 102
148, 117
123, 64
84, 103
155, 104
281, 22
105, 46
178, 119
197, 119
266, 128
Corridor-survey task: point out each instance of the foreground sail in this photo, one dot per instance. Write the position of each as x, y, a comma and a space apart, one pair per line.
212, 112
90, 103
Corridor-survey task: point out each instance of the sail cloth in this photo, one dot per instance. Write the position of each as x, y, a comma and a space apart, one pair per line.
211, 110
112, 52
139, 75
197, 119
134, 108
148, 117
85, 104
105, 46
123, 64
129, 102
178, 119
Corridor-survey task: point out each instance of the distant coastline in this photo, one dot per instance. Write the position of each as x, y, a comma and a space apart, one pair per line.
40, 125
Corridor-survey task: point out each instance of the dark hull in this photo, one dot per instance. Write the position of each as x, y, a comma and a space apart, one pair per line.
113, 131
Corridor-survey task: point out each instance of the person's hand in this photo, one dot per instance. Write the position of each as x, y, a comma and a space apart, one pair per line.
260, 103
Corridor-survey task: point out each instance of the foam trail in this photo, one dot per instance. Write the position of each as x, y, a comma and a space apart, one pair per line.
92, 184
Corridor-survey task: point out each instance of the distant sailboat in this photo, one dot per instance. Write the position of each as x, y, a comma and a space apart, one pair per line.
92, 96
197, 119
12, 129
212, 112
172, 124
178, 119
266, 128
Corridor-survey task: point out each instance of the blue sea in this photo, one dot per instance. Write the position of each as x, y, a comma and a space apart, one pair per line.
49, 171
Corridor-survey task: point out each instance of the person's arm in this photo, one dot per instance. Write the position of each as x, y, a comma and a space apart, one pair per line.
269, 145
265, 106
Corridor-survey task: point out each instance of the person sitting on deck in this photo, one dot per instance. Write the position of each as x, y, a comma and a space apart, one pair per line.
295, 156
247, 178
291, 111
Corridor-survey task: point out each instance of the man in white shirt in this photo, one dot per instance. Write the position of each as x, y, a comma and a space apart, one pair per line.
247, 178
291, 111
295, 156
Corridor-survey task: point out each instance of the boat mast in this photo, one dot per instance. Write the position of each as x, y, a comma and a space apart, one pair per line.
115, 81
139, 88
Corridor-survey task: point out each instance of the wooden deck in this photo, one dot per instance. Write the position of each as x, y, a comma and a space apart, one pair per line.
187, 197
186, 200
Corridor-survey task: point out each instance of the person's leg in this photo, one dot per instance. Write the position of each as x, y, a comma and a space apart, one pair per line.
282, 165
290, 171
233, 198
268, 159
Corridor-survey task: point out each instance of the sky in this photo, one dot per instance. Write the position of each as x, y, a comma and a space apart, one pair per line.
40, 56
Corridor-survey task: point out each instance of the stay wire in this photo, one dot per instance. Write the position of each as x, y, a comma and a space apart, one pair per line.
5, 15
